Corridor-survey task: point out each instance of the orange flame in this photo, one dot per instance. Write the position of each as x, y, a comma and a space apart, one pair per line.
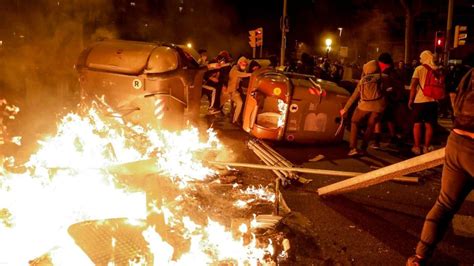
66, 182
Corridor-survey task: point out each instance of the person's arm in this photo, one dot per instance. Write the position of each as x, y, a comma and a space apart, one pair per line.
214, 77
414, 83
355, 95
234, 72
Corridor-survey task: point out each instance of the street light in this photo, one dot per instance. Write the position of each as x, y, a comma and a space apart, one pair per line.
189, 45
328, 46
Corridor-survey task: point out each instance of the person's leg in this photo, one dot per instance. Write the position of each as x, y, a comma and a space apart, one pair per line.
418, 111
374, 118
391, 129
456, 183
431, 118
377, 134
213, 98
428, 134
417, 135
223, 100
217, 101
355, 121
211, 94
238, 106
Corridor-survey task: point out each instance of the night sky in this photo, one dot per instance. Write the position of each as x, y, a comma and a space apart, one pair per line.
41, 40
219, 24
224, 24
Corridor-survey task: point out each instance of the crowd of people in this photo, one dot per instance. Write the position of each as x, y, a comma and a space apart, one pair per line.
386, 94
389, 96
225, 81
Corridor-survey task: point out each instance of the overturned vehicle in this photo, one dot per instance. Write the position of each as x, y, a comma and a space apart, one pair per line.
292, 107
155, 84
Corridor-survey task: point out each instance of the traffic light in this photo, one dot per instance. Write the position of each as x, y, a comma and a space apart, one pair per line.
259, 36
460, 35
252, 38
439, 42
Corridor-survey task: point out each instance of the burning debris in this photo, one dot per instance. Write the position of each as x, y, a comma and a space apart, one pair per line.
7, 112
103, 191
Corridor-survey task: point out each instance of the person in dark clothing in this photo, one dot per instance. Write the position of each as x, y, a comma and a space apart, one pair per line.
209, 88
224, 64
273, 61
457, 179
307, 64
393, 96
404, 73
454, 75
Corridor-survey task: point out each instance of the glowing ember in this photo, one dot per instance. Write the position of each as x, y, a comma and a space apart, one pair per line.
68, 181
260, 193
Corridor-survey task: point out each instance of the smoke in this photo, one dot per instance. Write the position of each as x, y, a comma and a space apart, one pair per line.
372, 35
41, 41
208, 24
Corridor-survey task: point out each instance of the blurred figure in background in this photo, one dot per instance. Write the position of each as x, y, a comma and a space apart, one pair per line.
203, 59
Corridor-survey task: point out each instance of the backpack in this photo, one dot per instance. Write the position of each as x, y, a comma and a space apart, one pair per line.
434, 83
463, 106
371, 87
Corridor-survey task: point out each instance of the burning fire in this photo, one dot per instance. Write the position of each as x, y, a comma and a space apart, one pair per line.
282, 107
70, 180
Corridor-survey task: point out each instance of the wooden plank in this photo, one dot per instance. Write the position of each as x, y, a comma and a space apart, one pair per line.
407, 179
291, 169
422, 162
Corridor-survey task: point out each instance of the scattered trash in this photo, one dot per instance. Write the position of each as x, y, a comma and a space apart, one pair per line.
317, 158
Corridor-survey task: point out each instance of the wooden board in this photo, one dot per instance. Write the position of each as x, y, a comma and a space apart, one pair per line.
419, 163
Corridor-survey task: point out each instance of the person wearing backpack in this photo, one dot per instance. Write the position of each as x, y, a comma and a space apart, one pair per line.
370, 92
427, 86
457, 179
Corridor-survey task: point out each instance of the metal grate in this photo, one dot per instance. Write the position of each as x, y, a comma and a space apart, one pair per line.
112, 241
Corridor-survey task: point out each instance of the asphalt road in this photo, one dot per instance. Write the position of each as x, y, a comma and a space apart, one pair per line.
378, 225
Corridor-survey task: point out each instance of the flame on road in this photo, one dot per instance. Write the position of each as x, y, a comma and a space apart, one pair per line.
66, 182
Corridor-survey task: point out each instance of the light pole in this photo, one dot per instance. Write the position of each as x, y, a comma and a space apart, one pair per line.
284, 29
328, 47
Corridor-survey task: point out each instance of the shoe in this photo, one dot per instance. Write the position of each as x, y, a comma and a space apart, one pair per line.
354, 152
428, 149
416, 150
375, 146
415, 260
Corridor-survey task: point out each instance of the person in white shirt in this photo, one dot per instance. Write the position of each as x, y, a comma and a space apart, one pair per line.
425, 109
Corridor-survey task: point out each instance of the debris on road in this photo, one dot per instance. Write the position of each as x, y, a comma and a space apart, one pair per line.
425, 161
317, 158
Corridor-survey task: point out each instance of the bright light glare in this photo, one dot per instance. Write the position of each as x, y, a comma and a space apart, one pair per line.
328, 42
189, 45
